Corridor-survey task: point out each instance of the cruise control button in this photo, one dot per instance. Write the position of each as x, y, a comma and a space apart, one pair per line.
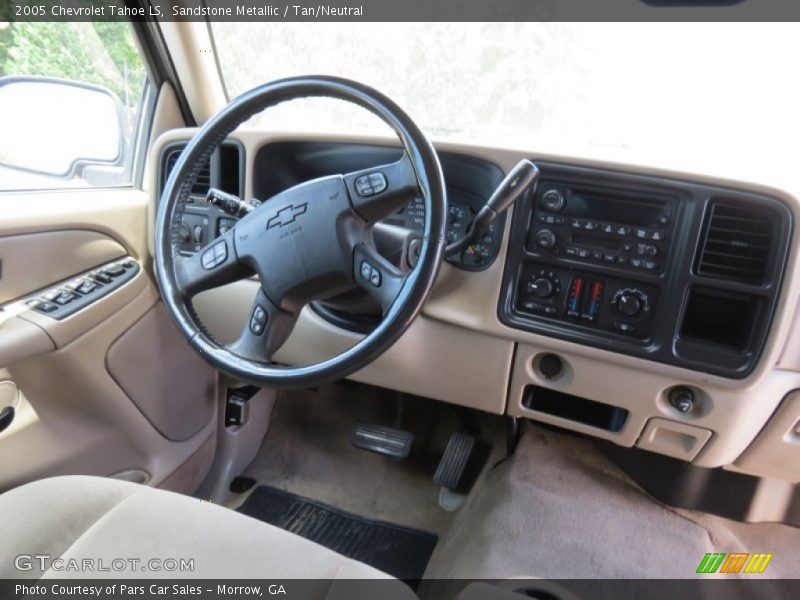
208, 259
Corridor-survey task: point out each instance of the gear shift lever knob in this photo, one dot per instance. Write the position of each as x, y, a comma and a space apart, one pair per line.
519, 180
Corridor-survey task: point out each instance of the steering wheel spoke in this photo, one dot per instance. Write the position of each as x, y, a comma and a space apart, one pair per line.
379, 191
267, 328
377, 276
213, 266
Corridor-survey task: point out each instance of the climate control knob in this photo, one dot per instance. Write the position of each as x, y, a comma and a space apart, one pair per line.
541, 287
629, 305
545, 238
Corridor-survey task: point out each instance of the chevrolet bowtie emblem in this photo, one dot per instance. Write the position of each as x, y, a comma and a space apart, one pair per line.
286, 215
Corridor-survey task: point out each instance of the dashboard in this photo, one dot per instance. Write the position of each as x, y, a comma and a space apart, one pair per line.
642, 283
670, 271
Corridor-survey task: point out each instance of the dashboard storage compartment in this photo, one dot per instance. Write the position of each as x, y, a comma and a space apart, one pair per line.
721, 318
574, 408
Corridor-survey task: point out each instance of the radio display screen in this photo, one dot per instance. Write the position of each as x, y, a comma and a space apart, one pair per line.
598, 241
640, 213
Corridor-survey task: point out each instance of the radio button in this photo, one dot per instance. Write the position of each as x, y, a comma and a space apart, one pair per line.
623, 231
571, 251
576, 223
636, 262
657, 236
609, 258
590, 226
597, 255
545, 238
641, 233
650, 265
583, 253
607, 228
553, 200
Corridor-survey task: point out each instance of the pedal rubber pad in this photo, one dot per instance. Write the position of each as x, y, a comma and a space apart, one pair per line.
454, 461
387, 441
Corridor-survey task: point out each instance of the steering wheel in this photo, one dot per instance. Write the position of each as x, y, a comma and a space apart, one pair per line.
309, 242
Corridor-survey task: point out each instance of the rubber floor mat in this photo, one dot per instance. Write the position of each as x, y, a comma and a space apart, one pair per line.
396, 550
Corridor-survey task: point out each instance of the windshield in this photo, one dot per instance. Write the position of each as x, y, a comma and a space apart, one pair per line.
649, 90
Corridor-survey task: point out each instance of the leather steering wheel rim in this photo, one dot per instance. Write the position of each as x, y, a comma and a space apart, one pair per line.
412, 293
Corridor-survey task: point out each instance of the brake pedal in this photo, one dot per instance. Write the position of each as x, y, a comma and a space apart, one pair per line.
381, 439
454, 461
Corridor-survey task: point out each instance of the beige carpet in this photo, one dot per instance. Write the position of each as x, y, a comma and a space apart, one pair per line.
560, 509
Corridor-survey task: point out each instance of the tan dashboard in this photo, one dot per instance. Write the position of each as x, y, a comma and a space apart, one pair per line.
460, 351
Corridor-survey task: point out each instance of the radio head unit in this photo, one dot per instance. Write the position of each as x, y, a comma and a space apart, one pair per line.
593, 226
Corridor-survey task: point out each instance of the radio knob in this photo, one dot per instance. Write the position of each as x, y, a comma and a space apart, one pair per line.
545, 238
629, 305
553, 200
541, 287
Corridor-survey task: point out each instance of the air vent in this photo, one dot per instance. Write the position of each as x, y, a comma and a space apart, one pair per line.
737, 243
203, 182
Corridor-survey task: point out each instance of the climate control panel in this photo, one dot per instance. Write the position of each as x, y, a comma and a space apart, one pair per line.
582, 298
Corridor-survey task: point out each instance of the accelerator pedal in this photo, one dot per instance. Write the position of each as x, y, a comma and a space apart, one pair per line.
381, 439
454, 461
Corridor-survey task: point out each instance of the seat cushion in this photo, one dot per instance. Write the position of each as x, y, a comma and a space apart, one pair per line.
95, 518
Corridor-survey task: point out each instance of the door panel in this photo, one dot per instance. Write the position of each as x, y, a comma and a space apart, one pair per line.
71, 414
33, 261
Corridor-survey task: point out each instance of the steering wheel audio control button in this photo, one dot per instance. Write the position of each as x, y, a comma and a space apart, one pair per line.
370, 184
366, 270
370, 273
378, 182
375, 278
215, 256
259, 320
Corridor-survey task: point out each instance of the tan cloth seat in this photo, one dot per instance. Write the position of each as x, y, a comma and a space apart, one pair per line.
94, 518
